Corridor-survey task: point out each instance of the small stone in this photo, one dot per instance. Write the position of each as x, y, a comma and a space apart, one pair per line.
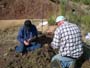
5, 54
46, 45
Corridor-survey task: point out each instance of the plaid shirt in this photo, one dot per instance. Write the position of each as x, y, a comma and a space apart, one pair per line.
68, 39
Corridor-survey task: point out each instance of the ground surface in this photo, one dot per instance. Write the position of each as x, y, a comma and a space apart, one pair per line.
37, 59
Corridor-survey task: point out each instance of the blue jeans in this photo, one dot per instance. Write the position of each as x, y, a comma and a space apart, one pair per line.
22, 48
64, 61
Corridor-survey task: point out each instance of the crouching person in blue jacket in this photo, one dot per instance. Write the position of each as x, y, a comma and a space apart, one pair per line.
25, 34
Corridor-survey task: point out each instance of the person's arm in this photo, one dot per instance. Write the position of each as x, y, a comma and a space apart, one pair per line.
34, 34
35, 31
56, 39
20, 36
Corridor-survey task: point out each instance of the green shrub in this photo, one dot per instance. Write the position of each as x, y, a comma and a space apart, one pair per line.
51, 20
76, 0
85, 20
63, 4
87, 2
74, 18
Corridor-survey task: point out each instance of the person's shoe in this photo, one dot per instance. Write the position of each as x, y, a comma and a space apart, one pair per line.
55, 64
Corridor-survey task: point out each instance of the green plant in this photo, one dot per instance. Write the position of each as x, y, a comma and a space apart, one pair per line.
74, 18
51, 20
76, 0
63, 5
85, 20
87, 2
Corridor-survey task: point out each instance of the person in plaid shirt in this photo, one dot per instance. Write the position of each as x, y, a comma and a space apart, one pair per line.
68, 39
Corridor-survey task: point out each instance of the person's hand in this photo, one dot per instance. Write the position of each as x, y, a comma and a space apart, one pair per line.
28, 40
26, 43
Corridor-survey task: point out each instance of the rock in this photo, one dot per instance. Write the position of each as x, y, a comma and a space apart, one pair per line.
43, 26
5, 54
46, 45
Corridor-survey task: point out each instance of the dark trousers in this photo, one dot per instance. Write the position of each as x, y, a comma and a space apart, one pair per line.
22, 48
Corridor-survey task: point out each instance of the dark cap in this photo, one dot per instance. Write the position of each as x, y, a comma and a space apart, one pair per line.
27, 24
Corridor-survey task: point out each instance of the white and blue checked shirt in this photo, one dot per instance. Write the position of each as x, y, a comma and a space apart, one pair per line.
67, 38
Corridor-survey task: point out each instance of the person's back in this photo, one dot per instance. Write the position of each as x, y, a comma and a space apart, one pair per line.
68, 39
26, 33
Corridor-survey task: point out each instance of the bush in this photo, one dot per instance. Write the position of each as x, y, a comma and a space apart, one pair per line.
87, 2
74, 18
63, 7
51, 20
85, 20
76, 0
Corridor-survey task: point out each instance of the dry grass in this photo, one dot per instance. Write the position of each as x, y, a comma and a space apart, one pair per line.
4, 24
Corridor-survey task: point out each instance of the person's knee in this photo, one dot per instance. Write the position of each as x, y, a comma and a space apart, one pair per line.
33, 47
56, 57
19, 49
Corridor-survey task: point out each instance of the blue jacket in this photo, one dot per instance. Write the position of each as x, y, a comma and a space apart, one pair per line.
24, 34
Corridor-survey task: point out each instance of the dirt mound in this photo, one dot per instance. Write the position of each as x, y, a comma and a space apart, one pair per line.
22, 9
